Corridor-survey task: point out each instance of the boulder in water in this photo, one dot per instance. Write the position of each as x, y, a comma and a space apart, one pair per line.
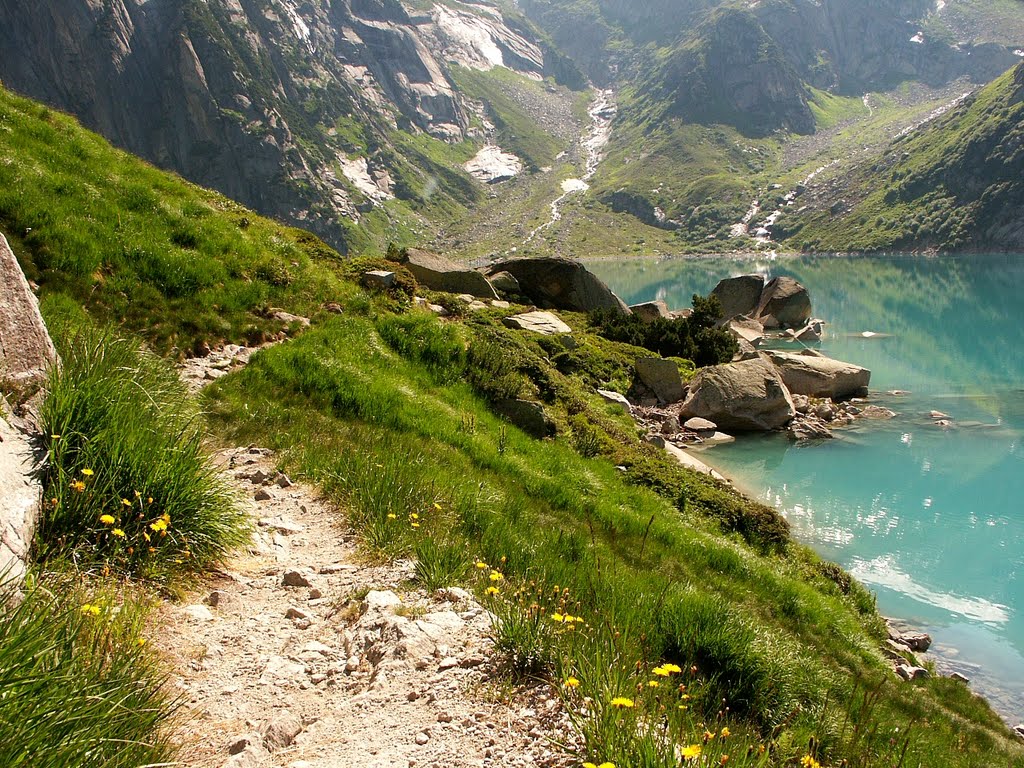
818, 376
739, 295
786, 302
747, 396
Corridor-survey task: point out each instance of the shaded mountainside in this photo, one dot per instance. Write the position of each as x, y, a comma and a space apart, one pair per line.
956, 184
316, 113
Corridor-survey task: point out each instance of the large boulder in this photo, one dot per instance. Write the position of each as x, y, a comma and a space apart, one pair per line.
528, 416
553, 283
651, 311
441, 274
809, 373
19, 501
748, 396
739, 295
662, 377
785, 300
544, 323
26, 351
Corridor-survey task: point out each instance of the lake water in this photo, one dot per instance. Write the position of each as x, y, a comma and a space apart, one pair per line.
931, 519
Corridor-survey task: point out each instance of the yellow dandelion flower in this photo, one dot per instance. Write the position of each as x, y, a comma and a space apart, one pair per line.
78, 486
482, 565
653, 683
126, 502
660, 671
572, 682
414, 516
691, 752
140, 642
91, 610
621, 702
708, 736
496, 576
590, 765
725, 732
415, 525
149, 499
493, 590
88, 472
107, 519
138, 494
146, 536
437, 506
672, 669
809, 762
118, 532
557, 617
392, 516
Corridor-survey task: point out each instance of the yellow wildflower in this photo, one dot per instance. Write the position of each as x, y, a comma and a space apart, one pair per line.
672, 669
415, 525
55, 437
726, 732
708, 736
392, 516
140, 641
118, 532
437, 506
809, 762
482, 565
496, 576
493, 590
621, 702
88, 472
414, 516
107, 519
126, 502
691, 752
78, 486
660, 671
653, 683
572, 682
91, 610
557, 617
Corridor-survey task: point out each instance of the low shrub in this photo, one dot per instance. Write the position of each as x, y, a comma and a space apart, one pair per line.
694, 338
127, 486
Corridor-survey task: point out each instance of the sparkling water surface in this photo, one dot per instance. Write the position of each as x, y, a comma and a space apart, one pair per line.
931, 519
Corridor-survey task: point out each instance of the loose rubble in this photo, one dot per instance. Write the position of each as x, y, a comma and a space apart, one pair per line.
298, 653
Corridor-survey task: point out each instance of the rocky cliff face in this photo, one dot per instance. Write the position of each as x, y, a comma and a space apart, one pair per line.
285, 106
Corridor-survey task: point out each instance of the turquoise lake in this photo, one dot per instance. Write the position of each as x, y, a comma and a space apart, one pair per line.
931, 519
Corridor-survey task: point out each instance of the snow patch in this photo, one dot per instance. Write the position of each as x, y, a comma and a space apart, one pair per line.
574, 185
492, 165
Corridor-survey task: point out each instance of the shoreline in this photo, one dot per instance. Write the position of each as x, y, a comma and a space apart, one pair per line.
945, 659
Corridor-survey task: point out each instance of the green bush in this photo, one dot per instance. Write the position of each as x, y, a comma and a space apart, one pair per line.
78, 686
694, 338
127, 486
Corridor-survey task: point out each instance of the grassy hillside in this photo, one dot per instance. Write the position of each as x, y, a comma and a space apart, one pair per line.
387, 409
954, 184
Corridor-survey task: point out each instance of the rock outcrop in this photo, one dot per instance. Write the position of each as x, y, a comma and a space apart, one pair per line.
19, 501
785, 300
809, 373
528, 416
651, 311
26, 351
748, 396
662, 377
441, 274
554, 283
739, 295
543, 323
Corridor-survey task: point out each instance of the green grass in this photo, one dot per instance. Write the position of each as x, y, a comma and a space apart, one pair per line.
127, 486
771, 633
173, 262
78, 687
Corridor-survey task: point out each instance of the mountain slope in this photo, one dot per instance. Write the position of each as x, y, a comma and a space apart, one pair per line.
955, 184
317, 114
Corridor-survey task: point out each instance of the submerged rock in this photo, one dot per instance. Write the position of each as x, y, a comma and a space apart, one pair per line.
748, 396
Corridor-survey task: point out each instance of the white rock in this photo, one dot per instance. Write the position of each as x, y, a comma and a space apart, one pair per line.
198, 613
